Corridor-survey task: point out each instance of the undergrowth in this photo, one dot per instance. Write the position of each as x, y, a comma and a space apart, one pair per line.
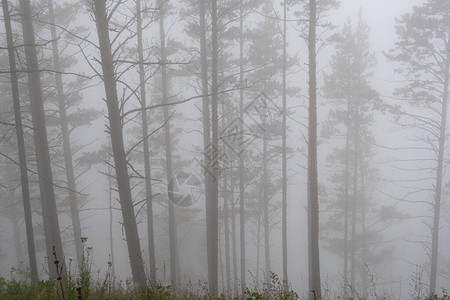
83, 287
69, 285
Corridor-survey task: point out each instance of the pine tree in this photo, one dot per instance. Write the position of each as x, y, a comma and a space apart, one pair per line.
349, 88
64, 117
117, 141
145, 143
313, 33
47, 193
20, 144
424, 61
264, 56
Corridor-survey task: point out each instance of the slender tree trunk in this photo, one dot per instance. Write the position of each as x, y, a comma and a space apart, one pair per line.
233, 232
439, 175
147, 168
226, 223
47, 193
111, 232
212, 203
284, 158
355, 199
73, 201
258, 249
116, 130
222, 277
265, 186
16, 230
313, 193
20, 145
210, 147
168, 145
364, 253
241, 150
346, 195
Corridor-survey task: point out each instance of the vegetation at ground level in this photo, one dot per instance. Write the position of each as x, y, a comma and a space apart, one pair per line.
83, 286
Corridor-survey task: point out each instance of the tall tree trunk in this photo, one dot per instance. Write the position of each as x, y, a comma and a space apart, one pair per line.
116, 131
355, 199
364, 253
111, 232
265, 200
241, 149
313, 193
284, 158
220, 254
16, 230
20, 144
439, 175
73, 201
233, 232
168, 146
258, 248
226, 217
47, 193
147, 168
346, 195
212, 203
209, 148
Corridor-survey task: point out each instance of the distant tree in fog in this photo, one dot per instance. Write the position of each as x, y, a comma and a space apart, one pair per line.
140, 13
116, 131
314, 12
313, 188
47, 193
67, 98
423, 58
264, 56
164, 7
20, 143
354, 101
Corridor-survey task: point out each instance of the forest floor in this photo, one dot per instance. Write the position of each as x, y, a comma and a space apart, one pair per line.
83, 285
105, 289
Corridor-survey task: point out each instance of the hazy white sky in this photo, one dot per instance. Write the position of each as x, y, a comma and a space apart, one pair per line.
380, 14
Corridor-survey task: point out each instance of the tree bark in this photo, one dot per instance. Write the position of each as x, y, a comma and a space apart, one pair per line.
284, 158
355, 199
439, 175
313, 195
241, 150
265, 200
209, 151
233, 232
147, 167
47, 193
168, 146
258, 248
20, 145
111, 232
346, 200
120, 160
212, 203
226, 216
364, 253
15, 225
73, 201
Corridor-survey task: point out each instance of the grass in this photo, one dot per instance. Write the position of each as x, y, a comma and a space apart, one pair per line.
13, 289
81, 285
70, 289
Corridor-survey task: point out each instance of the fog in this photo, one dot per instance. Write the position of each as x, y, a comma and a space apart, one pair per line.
293, 150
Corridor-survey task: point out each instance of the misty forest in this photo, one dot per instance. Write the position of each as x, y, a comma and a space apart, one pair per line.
224, 149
